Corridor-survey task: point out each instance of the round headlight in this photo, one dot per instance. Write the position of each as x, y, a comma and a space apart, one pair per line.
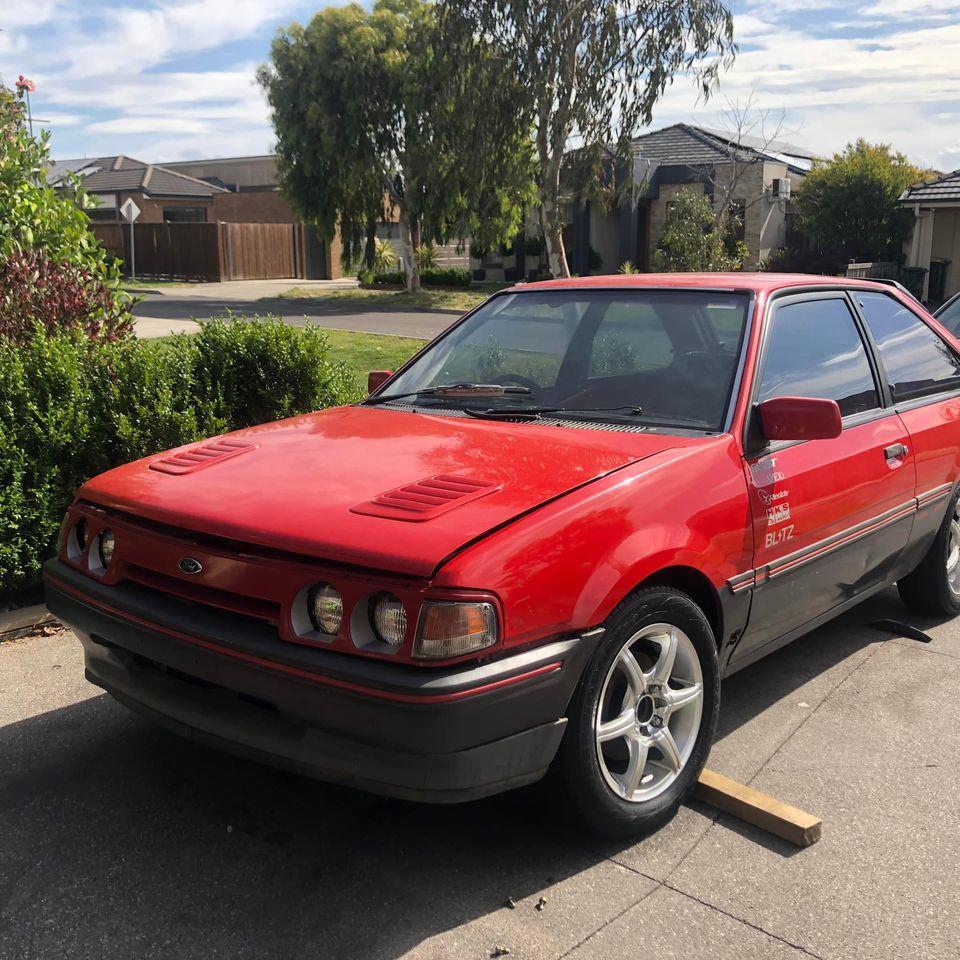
106, 543
389, 619
325, 607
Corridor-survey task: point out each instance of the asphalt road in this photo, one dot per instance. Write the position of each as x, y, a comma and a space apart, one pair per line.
120, 840
161, 313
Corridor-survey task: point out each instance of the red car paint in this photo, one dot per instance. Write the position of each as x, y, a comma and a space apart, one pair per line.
572, 521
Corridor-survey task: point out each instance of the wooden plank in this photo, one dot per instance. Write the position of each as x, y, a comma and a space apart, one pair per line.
754, 807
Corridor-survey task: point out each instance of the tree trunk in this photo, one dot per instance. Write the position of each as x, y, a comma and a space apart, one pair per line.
370, 244
407, 235
550, 220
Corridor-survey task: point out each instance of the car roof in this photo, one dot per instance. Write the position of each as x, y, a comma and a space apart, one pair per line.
729, 281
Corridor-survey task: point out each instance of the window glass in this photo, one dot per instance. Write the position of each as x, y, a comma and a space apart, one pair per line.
950, 317
631, 337
915, 359
654, 357
815, 350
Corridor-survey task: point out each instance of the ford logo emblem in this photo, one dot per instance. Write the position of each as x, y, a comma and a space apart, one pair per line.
190, 566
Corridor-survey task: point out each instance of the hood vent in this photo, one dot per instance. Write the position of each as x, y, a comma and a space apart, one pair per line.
426, 499
206, 455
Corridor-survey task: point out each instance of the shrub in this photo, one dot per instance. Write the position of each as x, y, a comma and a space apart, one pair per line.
691, 240
57, 295
426, 256
52, 270
383, 256
441, 277
71, 407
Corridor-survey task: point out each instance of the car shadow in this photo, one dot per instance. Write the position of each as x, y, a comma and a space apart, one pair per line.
120, 839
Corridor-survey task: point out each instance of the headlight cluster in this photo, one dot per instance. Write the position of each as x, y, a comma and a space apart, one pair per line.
446, 629
325, 606
76, 544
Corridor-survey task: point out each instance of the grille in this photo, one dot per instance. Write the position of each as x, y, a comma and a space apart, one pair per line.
426, 499
196, 458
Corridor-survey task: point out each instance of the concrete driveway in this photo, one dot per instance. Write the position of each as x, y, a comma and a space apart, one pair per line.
173, 309
120, 840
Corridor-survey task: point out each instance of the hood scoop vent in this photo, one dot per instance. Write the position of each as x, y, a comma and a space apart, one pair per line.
206, 455
426, 499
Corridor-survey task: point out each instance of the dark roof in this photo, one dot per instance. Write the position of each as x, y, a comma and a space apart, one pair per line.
944, 190
687, 145
120, 173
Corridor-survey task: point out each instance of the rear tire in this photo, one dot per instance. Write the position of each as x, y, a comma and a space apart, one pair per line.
934, 587
644, 716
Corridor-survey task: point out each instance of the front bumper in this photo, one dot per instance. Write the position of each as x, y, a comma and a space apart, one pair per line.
429, 734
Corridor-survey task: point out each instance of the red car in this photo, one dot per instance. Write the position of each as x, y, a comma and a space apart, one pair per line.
543, 542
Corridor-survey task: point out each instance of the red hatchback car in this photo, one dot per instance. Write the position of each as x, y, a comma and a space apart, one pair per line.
543, 542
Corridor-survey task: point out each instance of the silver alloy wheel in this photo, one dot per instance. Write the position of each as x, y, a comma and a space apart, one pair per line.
648, 713
953, 553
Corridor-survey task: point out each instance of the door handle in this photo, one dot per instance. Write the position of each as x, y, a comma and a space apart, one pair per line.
896, 451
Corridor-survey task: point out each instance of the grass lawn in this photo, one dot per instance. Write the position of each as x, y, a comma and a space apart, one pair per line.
432, 299
363, 352
139, 286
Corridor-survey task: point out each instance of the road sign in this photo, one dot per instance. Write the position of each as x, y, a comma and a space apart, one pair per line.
129, 210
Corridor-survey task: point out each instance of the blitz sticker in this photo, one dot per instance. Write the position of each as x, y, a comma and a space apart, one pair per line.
778, 536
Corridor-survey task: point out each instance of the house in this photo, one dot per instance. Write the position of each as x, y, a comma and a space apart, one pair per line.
163, 195
935, 243
753, 176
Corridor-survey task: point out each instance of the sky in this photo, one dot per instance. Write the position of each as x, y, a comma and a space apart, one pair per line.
164, 80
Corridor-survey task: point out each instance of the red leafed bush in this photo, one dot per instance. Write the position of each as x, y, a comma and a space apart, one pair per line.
37, 291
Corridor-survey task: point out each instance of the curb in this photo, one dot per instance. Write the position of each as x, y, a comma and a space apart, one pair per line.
18, 623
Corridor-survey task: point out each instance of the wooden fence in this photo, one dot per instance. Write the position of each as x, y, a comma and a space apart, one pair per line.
208, 251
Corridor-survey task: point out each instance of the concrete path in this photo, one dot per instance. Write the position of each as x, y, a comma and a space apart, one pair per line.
120, 840
173, 310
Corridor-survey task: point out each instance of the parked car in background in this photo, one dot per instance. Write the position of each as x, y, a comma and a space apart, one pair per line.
543, 542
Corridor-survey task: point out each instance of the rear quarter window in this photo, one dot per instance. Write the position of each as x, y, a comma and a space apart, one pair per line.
916, 361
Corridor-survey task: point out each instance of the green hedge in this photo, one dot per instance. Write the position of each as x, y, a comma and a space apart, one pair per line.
71, 407
434, 277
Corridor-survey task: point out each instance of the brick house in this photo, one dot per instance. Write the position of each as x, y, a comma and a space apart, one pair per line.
250, 193
753, 176
163, 196
935, 242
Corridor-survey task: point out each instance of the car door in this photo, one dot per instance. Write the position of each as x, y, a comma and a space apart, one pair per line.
922, 374
830, 517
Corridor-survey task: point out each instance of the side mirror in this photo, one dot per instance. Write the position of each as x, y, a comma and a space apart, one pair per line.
800, 418
377, 378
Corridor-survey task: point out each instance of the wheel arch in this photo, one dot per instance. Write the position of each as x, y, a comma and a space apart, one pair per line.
697, 586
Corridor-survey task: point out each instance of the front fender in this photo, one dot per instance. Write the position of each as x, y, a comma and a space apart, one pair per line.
565, 566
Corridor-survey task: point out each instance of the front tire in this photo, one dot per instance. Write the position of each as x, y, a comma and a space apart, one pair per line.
643, 719
934, 587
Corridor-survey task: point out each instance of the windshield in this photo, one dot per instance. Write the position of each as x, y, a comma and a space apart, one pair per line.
661, 357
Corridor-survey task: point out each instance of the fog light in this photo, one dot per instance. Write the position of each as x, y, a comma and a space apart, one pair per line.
106, 543
453, 629
389, 619
325, 606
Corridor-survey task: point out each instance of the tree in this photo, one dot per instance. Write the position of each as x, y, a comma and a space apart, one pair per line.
692, 240
849, 204
373, 114
53, 272
588, 72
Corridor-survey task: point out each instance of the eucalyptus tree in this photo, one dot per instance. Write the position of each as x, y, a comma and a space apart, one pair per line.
589, 72
376, 112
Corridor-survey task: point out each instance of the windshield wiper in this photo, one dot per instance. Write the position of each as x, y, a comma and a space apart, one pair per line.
535, 413
466, 391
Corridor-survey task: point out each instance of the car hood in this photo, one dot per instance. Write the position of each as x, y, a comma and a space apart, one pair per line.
385, 489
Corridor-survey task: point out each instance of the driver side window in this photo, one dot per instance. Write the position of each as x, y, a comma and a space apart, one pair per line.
814, 349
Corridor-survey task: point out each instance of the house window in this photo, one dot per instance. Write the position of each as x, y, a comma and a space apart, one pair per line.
738, 219
102, 214
184, 215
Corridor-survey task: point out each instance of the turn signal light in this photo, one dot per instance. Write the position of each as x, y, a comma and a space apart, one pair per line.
454, 629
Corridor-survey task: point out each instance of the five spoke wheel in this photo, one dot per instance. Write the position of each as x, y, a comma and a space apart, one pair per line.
649, 710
